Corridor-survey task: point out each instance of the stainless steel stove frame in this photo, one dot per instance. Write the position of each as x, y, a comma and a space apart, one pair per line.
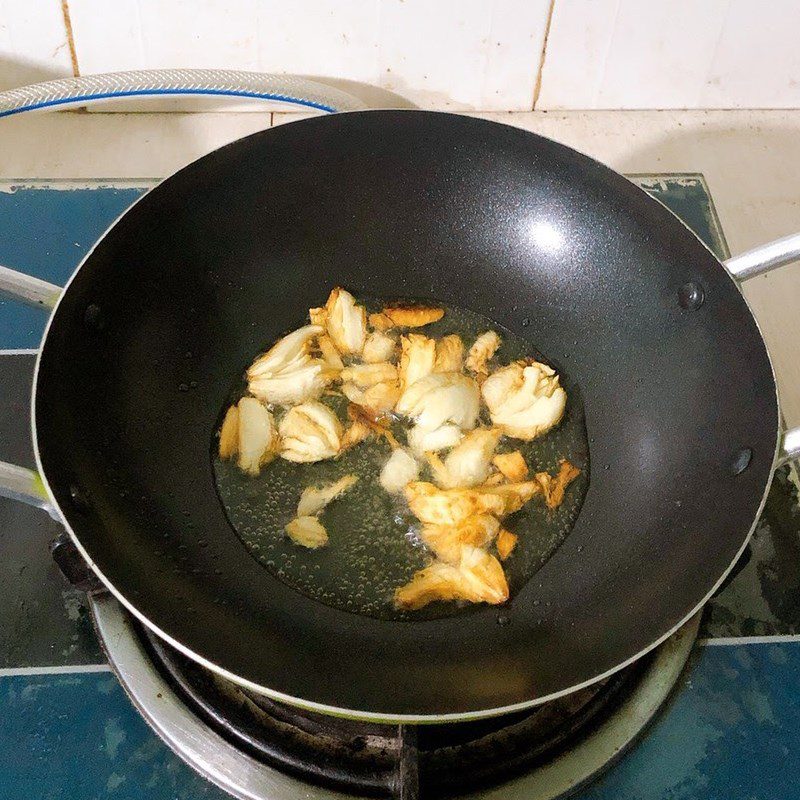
247, 778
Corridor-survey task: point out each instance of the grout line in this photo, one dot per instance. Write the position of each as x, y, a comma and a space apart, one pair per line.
10, 672
601, 73
73, 53
18, 352
537, 87
728, 641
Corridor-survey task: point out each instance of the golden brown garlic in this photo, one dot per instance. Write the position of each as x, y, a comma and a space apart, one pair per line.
310, 432
346, 322
449, 354
378, 400
366, 375
308, 532
417, 357
446, 540
378, 347
482, 350
406, 317
505, 543
315, 498
478, 578
511, 465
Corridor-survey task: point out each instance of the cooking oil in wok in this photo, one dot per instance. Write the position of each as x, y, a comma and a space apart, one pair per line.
373, 546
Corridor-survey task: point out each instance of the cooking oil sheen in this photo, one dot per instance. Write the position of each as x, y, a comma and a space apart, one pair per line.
373, 545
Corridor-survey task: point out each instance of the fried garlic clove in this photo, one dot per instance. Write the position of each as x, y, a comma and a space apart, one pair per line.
382, 397
505, 543
310, 432
495, 479
357, 432
449, 354
286, 354
318, 316
437, 467
512, 466
436, 506
525, 400
413, 316
398, 471
308, 532
554, 487
380, 322
446, 540
440, 398
438, 581
482, 350
352, 393
484, 574
377, 400
294, 385
315, 498
378, 347
375, 421
257, 439
286, 374
417, 357
504, 383
478, 578
366, 375
423, 441
513, 495
329, 352
468, 463
229, 434
347, 322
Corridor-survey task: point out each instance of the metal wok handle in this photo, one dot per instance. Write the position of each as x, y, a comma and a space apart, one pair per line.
30, 290
759, 261
20, 483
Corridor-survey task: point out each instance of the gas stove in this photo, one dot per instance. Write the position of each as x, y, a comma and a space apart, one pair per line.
93, 706
254, 747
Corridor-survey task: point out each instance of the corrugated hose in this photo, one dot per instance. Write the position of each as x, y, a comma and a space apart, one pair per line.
70, 92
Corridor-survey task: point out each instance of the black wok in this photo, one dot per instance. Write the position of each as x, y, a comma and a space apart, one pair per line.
229, 253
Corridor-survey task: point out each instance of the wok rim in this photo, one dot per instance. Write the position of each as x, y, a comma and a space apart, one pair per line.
358, 714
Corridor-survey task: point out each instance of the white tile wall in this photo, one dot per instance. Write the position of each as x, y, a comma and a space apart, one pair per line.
672, 54
757, 62
460, 54
33, 42
445, 54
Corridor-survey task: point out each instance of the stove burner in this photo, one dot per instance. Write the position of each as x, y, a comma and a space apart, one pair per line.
391, 760
257, 749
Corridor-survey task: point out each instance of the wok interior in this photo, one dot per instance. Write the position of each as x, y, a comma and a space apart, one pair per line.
229, 253
375, 544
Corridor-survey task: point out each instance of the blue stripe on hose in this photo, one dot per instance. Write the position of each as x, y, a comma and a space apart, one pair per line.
134, 92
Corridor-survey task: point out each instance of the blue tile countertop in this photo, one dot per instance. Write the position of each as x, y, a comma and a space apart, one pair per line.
731, 730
